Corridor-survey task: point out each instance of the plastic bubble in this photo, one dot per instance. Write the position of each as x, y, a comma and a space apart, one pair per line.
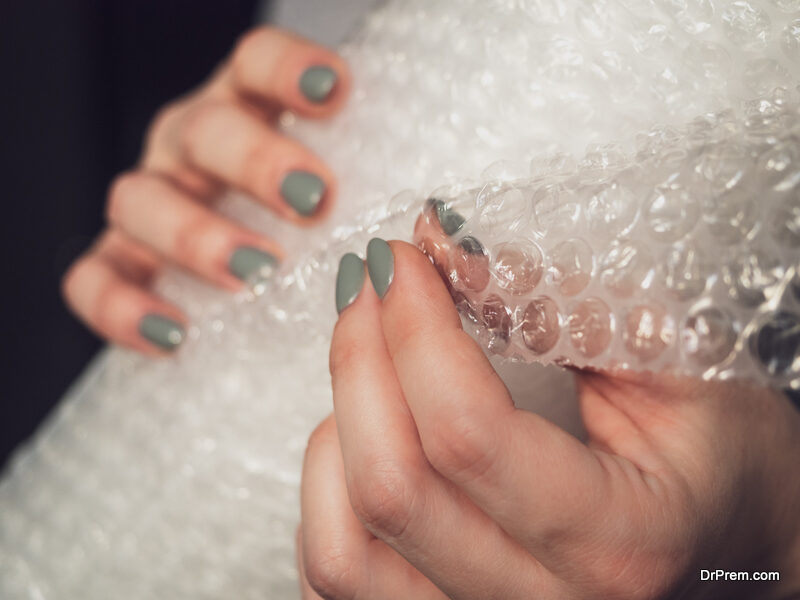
541, 325
590, 327
518, 266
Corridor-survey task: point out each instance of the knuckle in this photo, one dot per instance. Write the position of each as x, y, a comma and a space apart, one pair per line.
323, 434
199, 123
331, 573
254, 173
459, 448
163, 123
123, 189
190, 244
107, 307
250, 45
345, 351
70, 281
383, 499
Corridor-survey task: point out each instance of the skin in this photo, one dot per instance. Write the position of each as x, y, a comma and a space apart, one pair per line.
222, 135
426, 482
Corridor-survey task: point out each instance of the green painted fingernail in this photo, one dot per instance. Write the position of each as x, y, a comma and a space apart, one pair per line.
349, 280
450, 220
317, 83
472, 245
303, 191
380, 264
161, 331
246, 261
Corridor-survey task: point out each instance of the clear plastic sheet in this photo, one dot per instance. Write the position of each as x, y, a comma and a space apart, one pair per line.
179, 478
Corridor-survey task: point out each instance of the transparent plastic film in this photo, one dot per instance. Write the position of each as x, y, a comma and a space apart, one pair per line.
680, 257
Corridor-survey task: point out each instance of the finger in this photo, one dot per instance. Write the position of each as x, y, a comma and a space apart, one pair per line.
531, 477
306, 591
342, 559
188, 233
282, 69
233, 145
393, 489
103, 288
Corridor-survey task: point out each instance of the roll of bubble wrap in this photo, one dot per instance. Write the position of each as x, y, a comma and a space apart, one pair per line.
179, 478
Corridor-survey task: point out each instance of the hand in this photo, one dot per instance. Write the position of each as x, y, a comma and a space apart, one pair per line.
430, 484
222, 135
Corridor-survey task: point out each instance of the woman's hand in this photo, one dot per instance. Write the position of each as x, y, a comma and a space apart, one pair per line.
223, 135
429, 483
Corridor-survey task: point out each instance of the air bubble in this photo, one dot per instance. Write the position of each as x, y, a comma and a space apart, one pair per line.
471, 265
518, 266
496, 318
752, 277
789, 6
785, 221
720, 166
693, 16
610, 209
625, 267
708, 336
504, 210
775, 344
684, 271
790, 39
731, 216
541, 325
595, 20
780, 165
763, 75
590, 327
571, 266
556, 209
653, 40
746, 26
710, 61
464, 307
672, 212
649, 330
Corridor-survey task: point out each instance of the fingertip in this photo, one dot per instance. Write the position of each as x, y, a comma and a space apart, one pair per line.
308, 189
324, 84
417, 290
277, 66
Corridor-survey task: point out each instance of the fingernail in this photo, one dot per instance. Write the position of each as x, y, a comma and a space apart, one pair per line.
472, 246
450, 220
303, 191
161, 331
349, 280
246, 261
317, 83
380, 264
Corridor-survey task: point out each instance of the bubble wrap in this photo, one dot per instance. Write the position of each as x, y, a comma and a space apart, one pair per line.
680, 257
179, 478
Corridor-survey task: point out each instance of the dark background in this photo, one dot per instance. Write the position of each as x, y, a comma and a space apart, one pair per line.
80, 81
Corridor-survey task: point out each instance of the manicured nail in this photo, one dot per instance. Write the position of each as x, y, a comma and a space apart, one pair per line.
317, 83
472, 246
161, 331
246, 261
450, 220
303, 191
380, 264
349, 280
